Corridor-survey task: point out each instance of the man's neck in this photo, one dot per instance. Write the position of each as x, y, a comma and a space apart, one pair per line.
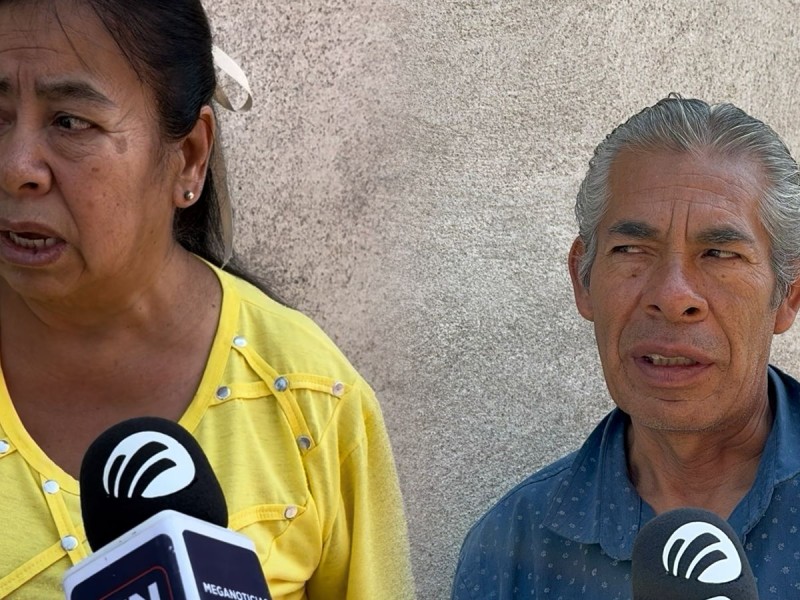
711, 470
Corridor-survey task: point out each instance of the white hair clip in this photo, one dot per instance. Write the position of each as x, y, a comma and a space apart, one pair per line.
229, 66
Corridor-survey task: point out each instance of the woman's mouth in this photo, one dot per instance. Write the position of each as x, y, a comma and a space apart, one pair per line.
30, 248
32, 241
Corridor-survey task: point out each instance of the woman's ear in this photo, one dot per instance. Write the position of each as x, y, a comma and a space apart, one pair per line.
195, 153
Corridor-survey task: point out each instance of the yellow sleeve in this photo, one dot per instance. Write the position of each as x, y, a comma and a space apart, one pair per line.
365, 553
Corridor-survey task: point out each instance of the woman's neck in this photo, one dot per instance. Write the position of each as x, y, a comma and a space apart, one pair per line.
69, 379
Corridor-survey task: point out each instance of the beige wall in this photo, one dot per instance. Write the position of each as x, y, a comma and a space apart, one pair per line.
407, 178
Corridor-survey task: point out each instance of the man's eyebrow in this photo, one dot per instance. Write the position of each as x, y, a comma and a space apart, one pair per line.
63, 90
723, 235
713, 235
633, 229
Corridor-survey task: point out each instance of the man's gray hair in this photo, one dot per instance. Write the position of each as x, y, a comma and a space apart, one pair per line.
693, 126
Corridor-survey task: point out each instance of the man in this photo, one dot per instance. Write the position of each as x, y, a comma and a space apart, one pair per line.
687, 264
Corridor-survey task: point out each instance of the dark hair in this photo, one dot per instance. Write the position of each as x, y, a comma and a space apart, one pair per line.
168, 45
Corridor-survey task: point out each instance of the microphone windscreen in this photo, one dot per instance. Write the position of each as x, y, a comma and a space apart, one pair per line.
690, 554
140, 467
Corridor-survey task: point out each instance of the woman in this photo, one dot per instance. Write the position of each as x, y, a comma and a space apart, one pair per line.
113, 305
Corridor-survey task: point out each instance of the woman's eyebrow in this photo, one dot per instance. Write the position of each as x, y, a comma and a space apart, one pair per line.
63, 90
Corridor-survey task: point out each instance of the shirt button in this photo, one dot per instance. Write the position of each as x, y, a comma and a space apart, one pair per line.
223, 392
304, 442
4, 446
51, 487
338, 388
290, 512
281, 384
239, 341
69, 542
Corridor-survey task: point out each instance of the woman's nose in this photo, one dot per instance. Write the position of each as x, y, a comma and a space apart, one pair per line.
24, 171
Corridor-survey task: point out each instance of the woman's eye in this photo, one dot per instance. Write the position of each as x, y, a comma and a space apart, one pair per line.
71, 123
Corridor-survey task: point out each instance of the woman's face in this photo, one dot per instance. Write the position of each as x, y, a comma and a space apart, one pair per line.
86, 187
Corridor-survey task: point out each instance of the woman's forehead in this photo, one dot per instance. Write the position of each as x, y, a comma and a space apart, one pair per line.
37, 46
72, 29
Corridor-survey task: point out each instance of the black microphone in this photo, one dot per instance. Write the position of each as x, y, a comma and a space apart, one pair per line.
690, 554
155, 517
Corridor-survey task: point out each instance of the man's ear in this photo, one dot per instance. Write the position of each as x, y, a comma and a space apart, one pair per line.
787, 311
583, 299
195, 153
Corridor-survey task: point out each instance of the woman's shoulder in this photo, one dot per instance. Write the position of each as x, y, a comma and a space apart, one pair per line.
282, 357
285, 338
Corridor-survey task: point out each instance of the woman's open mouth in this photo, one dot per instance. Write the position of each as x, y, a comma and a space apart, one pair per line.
32, 241
30, 248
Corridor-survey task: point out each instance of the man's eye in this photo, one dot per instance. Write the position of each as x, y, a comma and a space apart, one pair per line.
71, 123
626, 250
714, 253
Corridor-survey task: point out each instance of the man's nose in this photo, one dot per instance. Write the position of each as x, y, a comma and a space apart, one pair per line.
675, 291
24, 171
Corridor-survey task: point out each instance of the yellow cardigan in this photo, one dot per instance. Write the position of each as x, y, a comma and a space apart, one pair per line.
297, 441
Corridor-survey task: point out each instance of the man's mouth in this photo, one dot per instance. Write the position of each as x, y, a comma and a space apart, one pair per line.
32, 241
669, 361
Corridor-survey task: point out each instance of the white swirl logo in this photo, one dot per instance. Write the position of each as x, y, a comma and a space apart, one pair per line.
713, 555
147, 464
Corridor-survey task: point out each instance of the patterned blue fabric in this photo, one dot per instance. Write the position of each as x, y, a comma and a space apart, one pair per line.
567, 531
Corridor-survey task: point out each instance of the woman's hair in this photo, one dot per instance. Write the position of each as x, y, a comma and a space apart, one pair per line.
168, 45
692, 126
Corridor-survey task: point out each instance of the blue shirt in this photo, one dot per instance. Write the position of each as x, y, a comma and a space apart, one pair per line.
567, 531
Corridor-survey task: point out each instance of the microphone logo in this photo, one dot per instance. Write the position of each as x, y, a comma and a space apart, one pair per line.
147, 464
703, 552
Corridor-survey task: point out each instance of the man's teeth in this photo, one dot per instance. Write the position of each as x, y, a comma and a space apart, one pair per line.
32, 242
675, 361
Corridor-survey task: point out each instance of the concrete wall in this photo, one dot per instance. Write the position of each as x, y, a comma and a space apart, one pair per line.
407, 178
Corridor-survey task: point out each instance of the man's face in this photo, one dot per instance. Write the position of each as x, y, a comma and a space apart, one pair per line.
680, 291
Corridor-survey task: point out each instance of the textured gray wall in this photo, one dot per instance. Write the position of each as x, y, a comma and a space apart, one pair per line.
407, 178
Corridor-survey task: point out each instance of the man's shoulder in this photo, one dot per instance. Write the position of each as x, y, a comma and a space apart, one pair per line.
567, 488
539, 525
543, 480
509, 538
529, 499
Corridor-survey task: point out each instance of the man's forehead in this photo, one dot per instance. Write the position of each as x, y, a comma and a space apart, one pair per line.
653, 176
701, 161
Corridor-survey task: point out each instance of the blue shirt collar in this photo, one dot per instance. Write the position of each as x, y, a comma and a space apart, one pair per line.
597, 503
